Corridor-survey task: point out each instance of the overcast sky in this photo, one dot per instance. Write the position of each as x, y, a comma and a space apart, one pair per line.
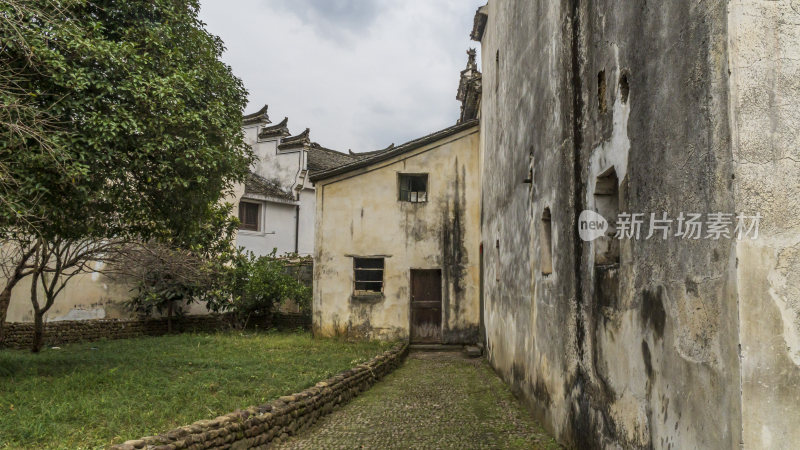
362, 74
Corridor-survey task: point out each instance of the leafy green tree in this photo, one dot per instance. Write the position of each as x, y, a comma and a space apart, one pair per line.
143, 121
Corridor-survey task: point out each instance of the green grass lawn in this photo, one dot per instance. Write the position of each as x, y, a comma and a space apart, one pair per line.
94, 394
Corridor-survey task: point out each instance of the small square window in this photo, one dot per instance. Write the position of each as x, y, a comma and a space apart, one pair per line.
249, 214
413, 187
368, 276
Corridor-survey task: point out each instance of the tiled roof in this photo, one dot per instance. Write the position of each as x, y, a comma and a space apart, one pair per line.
279, 129
259, 116
392, 151
300, 140
362, 155
321, 158
479, 23
256, 184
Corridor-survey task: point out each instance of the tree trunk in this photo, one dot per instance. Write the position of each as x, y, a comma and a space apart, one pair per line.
169, 317
5, 300
38, 332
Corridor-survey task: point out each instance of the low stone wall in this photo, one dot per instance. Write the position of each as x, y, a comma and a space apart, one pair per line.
19, 335
261, 426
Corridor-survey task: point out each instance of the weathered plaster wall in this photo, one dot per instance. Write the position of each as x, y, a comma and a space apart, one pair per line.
358, 214
283, 166
87, 296
308, 208
526, 122
643, 354
764, 60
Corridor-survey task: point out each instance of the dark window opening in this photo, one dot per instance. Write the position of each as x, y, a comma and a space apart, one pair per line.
624, 89
249, 216
601, 91
606, 201
413, 188
546, 243
368, 275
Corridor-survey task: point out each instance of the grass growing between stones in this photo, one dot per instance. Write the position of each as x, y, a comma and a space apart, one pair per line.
93, 394
435, 400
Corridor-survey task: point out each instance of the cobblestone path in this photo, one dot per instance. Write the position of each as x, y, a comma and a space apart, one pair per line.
435, 400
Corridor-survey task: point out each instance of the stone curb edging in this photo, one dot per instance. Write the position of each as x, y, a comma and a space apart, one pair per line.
260, 426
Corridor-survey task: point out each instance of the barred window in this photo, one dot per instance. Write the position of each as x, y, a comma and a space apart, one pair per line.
368, 275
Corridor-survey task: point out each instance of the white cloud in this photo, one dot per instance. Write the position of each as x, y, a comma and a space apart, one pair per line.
360, 73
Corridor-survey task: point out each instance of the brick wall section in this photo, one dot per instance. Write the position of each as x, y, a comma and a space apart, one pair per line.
261, 426
19, 335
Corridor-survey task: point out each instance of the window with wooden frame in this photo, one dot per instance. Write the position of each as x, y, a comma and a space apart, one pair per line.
249, 216
368, 276
413, 187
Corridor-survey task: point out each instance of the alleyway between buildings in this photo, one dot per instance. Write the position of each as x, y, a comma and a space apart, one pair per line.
435, 400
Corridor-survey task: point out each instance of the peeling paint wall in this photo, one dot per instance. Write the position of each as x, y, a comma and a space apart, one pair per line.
764, 60
358, 213
640, 353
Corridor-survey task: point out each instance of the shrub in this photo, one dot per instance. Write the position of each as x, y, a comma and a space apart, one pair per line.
166, 279
259, 284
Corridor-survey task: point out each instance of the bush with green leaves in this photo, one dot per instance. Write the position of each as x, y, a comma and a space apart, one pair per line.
260, 283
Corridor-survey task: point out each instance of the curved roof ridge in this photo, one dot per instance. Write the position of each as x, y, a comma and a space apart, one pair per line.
279, 129
300, 140
259, 116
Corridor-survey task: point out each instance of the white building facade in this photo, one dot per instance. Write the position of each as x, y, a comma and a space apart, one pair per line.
276, 205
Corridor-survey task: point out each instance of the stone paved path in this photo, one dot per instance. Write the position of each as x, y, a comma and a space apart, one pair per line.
435, 400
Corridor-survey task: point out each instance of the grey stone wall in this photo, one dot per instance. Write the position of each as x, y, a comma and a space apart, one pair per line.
20, 334
641, 353
265, 425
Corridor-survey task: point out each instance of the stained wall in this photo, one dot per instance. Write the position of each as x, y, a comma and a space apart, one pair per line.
642, 352
358, 214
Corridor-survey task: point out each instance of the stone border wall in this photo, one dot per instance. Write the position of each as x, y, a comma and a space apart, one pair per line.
261, 426
20, 334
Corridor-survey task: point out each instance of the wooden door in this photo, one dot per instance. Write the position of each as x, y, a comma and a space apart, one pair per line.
426, 306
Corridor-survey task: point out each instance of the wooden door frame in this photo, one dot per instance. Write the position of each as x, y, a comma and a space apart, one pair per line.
410, 299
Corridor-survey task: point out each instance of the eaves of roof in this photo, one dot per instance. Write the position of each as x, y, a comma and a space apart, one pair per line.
394, 151
259, 116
